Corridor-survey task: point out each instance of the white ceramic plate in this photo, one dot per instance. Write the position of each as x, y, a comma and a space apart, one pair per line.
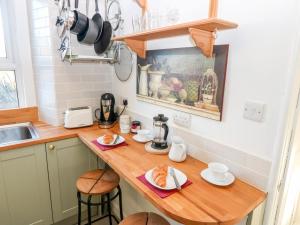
181, 177
120, 140
208, 176
140, 139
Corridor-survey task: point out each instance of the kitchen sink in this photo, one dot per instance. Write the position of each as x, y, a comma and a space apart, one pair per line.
16, 133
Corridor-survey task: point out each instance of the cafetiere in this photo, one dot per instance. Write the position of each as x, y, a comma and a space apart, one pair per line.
160, 132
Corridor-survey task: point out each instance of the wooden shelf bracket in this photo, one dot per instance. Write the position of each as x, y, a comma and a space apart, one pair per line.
204, 40
142, 4
138, 46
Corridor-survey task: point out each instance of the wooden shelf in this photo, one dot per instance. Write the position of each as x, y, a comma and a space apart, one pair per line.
202, 32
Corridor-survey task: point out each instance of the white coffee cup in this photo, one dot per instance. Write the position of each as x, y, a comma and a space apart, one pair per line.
219, 170
144, 134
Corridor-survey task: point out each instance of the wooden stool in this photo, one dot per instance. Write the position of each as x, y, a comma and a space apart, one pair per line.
95, 183
144, 218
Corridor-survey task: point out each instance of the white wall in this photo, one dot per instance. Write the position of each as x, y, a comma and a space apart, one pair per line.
261, 57
257, 70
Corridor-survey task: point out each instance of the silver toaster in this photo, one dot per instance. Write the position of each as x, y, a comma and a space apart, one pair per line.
78, 117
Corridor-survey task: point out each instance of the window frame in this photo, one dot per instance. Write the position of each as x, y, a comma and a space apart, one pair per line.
8, 62
18, 50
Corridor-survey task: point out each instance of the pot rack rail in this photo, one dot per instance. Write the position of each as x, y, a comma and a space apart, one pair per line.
203, 32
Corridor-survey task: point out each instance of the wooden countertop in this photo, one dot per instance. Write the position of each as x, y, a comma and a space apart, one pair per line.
200, 203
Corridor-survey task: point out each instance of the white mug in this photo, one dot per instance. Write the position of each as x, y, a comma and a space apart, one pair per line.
177, 152
219, 170
144, 134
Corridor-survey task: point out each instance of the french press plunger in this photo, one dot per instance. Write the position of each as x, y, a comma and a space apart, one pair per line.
160, 130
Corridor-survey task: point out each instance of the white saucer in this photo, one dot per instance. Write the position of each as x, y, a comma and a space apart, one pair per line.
140, 139
208, 176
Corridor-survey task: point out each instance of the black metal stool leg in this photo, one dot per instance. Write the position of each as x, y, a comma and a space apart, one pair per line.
79, 207
102, 204
120, 203
89, 210
109, 209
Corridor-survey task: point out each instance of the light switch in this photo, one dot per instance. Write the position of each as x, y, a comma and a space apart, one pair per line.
254, 111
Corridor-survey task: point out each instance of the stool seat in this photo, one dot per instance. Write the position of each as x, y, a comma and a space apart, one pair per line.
97, 182
144, 218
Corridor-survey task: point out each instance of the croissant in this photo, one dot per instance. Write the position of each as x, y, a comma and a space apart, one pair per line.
108, 138
160, 174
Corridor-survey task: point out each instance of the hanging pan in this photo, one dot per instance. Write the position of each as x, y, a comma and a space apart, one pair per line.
98, 19
90, 35
80, 21
103, 42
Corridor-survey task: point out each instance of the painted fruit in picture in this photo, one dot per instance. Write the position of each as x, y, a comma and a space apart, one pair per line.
184, 79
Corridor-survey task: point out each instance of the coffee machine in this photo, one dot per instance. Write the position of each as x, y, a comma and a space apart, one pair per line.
107, 117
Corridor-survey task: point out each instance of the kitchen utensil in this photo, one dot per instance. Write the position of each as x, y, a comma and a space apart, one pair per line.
61, 19
119, 141
143, 79
64, 47
79, 21
177, 152
114, 14
172, 173
207, 175
219, 170
181, 177
78, 117
103, 42
90, 35
116, 139
98, 19
123, 66
108, 117
161, 131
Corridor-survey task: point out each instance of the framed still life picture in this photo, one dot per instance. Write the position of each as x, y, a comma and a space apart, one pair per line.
184, 79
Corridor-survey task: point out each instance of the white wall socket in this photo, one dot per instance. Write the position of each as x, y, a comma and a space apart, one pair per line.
182, 119
254, 111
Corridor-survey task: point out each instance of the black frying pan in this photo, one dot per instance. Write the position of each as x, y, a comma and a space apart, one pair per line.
98, 19
103, 42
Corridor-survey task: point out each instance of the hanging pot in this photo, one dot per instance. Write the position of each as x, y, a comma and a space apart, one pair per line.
80, 21
103, 42
98, 19
90, 35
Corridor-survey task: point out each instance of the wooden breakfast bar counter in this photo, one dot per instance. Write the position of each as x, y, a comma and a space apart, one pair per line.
199, 203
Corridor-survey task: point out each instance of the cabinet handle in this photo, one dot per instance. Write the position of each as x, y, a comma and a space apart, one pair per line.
51, 147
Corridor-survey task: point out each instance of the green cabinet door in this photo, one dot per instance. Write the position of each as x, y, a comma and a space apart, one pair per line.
67, 160
24, 187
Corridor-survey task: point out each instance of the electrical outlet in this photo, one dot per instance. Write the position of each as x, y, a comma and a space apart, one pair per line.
182, 119
254, 111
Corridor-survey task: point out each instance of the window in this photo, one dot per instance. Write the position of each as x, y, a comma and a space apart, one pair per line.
8, 85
